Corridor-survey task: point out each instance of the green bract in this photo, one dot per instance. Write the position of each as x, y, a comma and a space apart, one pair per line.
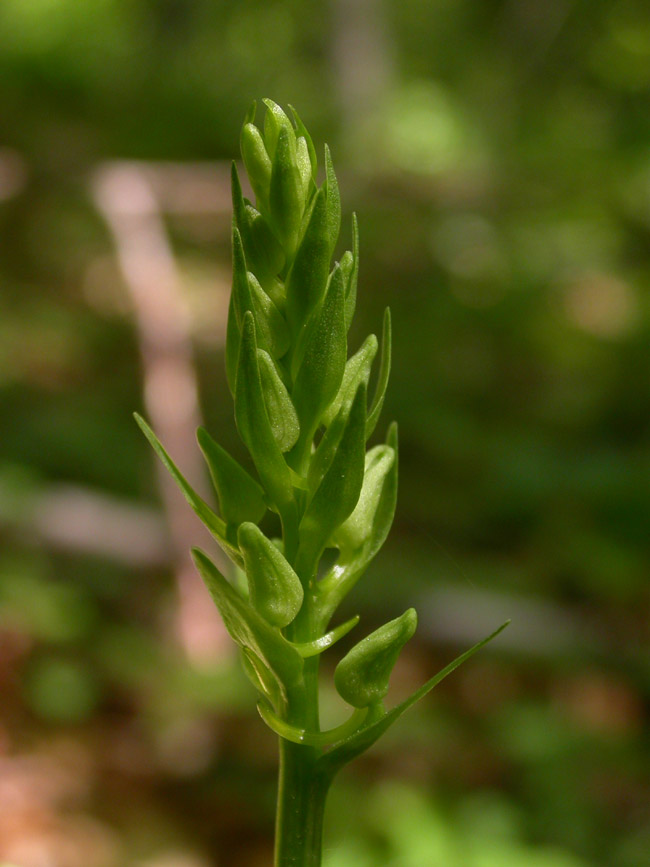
302, 410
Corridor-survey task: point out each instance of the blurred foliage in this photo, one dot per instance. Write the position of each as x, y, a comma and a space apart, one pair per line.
498, 155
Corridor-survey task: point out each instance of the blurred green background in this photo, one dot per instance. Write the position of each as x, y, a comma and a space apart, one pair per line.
498, 156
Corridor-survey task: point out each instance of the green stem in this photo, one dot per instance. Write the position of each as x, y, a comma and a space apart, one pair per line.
302, 792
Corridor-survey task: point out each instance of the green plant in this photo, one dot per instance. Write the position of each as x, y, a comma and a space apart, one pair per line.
302, 412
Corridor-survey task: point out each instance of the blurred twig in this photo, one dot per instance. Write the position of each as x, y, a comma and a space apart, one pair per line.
132, 198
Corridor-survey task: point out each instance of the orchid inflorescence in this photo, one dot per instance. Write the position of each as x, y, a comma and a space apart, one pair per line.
302, 410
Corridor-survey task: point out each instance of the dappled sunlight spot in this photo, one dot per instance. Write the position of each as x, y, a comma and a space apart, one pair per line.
600, 303
423, 130
468, 247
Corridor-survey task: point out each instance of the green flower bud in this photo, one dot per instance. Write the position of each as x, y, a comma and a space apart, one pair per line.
333, 201
286, 195
362, 676
254, 425
264, 254
275, 120
275, 590
338, 492
257, 162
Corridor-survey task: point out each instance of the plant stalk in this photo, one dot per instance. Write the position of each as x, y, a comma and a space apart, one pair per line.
302, 791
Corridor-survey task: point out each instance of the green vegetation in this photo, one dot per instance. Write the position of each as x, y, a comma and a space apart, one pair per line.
301, 409
497, 156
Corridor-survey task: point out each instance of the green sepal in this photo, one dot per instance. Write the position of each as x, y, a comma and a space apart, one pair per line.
281, 411
240, 497
357, 370
377, 723
362, 676
323, 363
247, 294
333, 201
208, 516
301, 129
241, 293
254, 425
275, 590
248, 628
361, 536
286, 197
307, 280
275, 120
338, 493
384, 372
352, 273
258, 163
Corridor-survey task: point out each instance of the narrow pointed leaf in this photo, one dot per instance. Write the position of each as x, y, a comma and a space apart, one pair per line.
351, 286
350, 747
258, 163
275, 120
241, 294
286, 194
254, 425
302, 130
304, 167
247, 627
307, 280
322, 458
318, 645
233, 339
384, 373
357, 370
333, 201
323, 363
275, 590
240, 497
250, 114
203, 511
